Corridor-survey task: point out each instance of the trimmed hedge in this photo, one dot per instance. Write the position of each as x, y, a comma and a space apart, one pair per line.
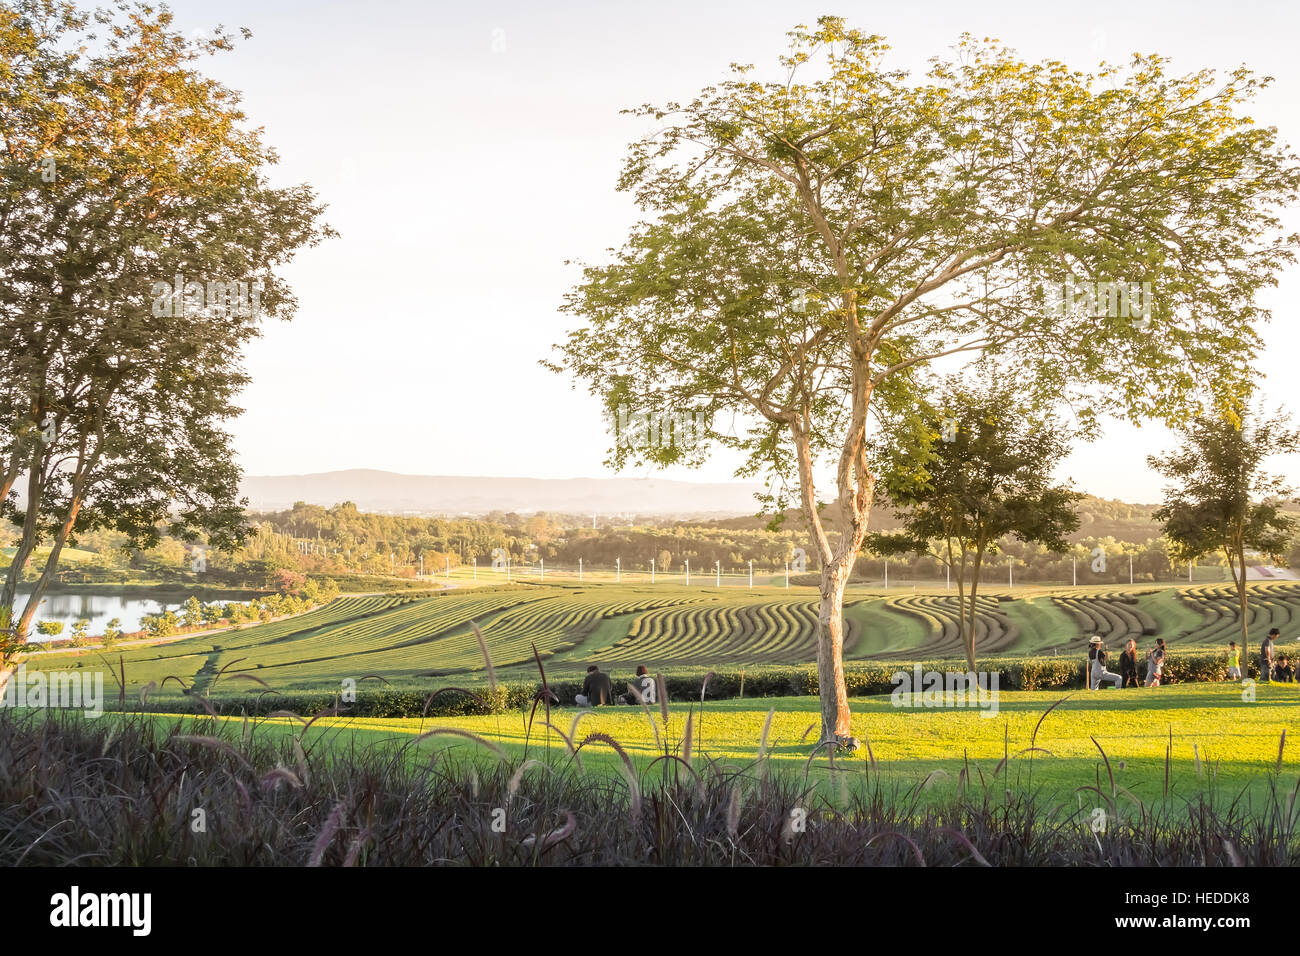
448, 702
863, 678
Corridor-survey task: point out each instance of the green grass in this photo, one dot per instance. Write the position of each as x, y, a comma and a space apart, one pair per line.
415, 641
1215, 742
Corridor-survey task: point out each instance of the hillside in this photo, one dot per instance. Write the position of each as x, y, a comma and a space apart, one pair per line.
392, 493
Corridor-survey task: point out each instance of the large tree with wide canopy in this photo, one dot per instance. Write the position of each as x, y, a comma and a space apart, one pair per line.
812, 240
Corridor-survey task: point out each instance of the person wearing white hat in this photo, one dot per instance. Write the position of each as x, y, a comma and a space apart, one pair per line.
1097, 665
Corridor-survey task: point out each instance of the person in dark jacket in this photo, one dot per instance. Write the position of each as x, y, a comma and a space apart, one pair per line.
596, 689
1128, 664
1266, 656
1284, 671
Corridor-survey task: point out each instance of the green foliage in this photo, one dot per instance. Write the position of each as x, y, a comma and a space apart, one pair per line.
812, 241
916, 786
50, 628
160, 625
968, 471
100, 399
404, 645
1221, 500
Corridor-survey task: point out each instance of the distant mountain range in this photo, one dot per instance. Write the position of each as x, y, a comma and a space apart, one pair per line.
386, 491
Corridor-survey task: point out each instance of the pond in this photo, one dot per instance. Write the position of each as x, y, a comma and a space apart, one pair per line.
98, 607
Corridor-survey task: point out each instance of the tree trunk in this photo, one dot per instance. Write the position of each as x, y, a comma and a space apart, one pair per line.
11, 473
51, 565
974, 593
836, 565
1240, 560
963, 631
27, 541
830, 651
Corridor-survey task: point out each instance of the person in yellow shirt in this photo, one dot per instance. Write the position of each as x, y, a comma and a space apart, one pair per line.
1234, 661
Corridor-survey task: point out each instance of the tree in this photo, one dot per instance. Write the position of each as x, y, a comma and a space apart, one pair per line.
193, 615
160, 625
808, 245
664, 561
130, 279
968, 473
287, 582
1221, 500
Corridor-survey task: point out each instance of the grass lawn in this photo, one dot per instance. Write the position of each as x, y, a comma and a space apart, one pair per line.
1217, 743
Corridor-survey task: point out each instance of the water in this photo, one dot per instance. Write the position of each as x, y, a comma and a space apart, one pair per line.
99, 608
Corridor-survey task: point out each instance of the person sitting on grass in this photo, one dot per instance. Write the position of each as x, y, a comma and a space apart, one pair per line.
1234, 661
1284, 671
1128, 664
644, 685
1097, 665
596, 689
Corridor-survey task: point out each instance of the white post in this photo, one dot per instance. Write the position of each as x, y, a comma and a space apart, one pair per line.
787, 575
688, 572
751, 574
507, 566
652, 570
618, 570
543, 561
475, 567
717, 567
580, 569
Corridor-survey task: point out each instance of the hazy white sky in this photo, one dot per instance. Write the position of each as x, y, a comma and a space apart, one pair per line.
466, 150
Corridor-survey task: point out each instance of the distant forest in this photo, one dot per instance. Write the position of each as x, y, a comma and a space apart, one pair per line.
341, 541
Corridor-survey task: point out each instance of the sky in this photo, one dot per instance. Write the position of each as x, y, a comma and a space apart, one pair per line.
466, 151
